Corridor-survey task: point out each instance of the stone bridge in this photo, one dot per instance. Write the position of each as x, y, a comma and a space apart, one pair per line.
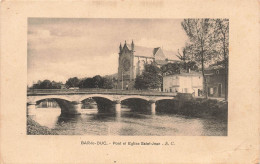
70, 101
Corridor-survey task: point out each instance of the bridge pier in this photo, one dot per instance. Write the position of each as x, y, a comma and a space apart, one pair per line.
31, 107
153, 107
118, 106
76, 107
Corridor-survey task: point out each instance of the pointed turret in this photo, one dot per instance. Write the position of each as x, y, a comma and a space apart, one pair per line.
120, 48
132, 46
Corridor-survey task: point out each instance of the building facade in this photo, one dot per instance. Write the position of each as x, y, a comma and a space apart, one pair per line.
184, 82
215, 77
132, 59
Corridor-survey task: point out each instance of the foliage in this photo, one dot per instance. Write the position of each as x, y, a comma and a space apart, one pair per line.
150, 79
221, 31
183, 56
221, 36
96, 82
171, 68
107, 83
208, 42
202, 108
72, 82
56, 85
86, 83
47, 84
33, 128
140, 82
205, 108
174, 68
201, 36
201, 46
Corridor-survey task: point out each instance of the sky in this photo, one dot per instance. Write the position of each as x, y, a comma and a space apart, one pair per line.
84, 47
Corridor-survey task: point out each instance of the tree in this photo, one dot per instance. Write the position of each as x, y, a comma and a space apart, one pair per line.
46, 84
87, 83
150, 79
201, 46
171, 68
56, 85
97, 81
222, 44
192, 65
73, 82
107, 83
182, 56
176, 68
140, 82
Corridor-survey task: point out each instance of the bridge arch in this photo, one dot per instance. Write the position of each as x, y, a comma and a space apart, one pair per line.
39, 98
163, 98
105, 103
96, 95
66, 105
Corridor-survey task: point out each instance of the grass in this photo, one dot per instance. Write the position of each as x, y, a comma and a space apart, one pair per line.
34, 128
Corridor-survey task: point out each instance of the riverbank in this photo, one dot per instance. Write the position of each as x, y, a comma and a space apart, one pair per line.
209, 108
34, 128
199, 107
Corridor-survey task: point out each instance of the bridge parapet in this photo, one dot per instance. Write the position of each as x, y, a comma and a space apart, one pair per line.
98, 91
70, 101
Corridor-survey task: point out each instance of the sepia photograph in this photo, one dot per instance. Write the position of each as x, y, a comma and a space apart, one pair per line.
161, 81
127, 77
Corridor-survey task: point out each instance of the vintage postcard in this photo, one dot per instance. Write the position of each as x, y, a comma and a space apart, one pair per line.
130, 82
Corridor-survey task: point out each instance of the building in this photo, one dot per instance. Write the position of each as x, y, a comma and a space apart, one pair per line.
215, 77
184, 82
132, 59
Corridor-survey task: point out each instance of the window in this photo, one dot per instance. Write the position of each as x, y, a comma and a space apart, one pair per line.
215, 90
217, 72
219, 90
211, 91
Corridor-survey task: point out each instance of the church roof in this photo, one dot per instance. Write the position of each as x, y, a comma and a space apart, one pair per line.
150, 52
155, 50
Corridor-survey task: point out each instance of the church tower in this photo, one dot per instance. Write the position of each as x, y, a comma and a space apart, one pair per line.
126, 66
132, 46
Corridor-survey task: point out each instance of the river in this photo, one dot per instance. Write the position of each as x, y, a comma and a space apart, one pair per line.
128, 123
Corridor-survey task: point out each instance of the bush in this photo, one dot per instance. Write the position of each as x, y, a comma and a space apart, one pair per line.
204, 108
33, 128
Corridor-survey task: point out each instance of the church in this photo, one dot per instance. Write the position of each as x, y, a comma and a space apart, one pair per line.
132, 59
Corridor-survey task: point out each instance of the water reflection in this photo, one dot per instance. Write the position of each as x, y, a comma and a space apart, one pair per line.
127, 122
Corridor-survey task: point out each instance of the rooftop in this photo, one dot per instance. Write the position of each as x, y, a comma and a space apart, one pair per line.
149, 52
